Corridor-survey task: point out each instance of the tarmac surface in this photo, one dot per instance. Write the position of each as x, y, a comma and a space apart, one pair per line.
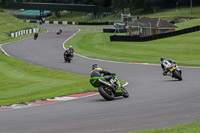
155, 101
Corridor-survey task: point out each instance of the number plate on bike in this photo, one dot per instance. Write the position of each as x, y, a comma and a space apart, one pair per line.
171, 69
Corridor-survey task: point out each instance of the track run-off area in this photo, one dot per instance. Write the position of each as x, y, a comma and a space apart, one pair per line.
155, 101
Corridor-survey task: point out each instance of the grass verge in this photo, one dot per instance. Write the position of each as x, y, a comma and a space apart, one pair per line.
21, 82
193, 127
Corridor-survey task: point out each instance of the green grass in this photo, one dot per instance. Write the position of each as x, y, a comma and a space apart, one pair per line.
188, 24
90, 30
193, 127
22, 82
9, 23
185, 49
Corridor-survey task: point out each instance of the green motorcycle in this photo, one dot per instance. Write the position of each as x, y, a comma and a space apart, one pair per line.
109, 87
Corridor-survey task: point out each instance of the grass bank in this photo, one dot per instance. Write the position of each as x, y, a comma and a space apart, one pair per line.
10, 24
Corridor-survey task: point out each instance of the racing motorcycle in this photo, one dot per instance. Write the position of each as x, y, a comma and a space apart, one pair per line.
59, 32
174, 71
35, 36
109, 87
68, 58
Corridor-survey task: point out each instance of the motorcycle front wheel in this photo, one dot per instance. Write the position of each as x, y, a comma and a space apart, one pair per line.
125, 93
177, 75
106, 92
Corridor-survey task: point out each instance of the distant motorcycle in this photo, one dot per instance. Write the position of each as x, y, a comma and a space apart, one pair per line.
68, 58
174, 71
35, 36
107, 89
59, 32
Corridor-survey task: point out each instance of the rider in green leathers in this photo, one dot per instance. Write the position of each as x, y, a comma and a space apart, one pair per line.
97, 71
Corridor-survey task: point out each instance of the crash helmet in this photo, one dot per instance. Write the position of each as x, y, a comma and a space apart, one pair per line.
70, 46
94, 66
162, 58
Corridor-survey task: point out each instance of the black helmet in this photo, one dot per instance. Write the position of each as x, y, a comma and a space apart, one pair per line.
162, 58
94, 66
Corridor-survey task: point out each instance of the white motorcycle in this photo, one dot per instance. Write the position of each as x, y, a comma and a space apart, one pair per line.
174, 70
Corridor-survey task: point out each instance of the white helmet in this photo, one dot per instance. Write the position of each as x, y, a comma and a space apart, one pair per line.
70, 46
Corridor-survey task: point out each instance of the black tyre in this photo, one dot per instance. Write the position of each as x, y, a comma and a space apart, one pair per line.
125, 93
68, 60
177, 75
65, 59
106, 93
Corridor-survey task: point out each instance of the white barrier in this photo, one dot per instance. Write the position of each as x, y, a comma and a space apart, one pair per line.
55, 22
12, 34
65, 22
16, 34
19, 33
30, 31
46, 22
23, 32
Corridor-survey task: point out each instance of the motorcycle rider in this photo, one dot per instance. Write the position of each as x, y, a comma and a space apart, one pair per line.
60, 31
164, 63
99, 72
35, 35
71, 49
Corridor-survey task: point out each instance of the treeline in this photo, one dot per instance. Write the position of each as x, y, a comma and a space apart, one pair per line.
133, 5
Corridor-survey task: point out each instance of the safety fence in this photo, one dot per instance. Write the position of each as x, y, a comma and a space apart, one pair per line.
72, 23
23, 32
115, 30
137, 38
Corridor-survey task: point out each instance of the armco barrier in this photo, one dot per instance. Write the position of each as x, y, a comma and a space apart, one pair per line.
22, 32
153, 37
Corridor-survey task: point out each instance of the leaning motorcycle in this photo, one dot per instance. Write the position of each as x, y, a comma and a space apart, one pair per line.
175, 71
109, 87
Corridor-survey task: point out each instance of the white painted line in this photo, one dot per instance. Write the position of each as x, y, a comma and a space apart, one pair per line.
63, 98
4, 51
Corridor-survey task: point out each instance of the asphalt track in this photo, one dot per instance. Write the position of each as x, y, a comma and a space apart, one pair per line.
155, 101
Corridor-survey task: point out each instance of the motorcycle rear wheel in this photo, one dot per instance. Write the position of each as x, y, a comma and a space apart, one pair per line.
106, 92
